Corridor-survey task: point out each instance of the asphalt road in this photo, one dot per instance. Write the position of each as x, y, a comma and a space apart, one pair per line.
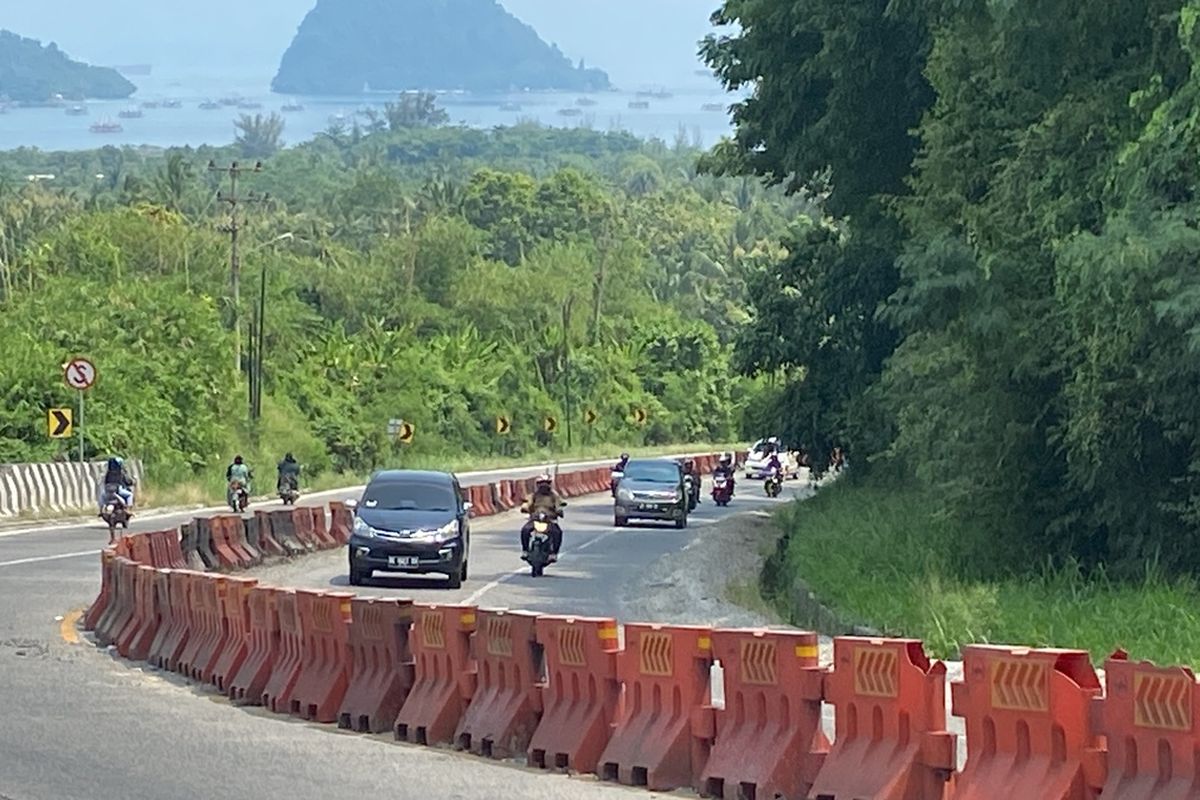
81, 724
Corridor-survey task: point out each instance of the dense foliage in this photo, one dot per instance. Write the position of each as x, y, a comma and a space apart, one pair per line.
395, 45
1002, 299
32, 73
440, 275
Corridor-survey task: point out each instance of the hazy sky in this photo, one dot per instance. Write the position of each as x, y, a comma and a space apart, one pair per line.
637, 41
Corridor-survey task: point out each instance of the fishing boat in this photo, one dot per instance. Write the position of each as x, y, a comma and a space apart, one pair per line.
77, 111
510, 106
713, 107
210, 105
106, 126
639, 105
249, 105
130, 113
172, 104
291, 108
150, 104
232, 100
570, 112
585, 101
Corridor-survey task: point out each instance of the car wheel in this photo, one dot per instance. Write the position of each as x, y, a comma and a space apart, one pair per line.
358, 577
681, 523
620, 522
455, 581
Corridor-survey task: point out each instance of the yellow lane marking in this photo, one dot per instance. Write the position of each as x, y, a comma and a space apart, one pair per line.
67, 627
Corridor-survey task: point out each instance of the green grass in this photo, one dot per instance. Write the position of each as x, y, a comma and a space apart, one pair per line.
210, 489
876, 557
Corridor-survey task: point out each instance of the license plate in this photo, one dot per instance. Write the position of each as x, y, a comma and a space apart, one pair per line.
403, 561
647, 507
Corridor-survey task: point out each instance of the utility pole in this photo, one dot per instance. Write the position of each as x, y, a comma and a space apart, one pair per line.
233, 227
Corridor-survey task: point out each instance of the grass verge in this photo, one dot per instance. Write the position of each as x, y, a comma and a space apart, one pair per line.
876, 557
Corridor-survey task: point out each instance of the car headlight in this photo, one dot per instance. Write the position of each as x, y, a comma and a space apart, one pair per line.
363, 529
624, 494
446, 532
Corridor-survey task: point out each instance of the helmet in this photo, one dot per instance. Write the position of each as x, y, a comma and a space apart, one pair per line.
624, 456
289, 457
543, 478
237, 459
726, 458
773, 440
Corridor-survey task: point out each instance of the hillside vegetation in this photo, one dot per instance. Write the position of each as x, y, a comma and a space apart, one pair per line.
439, 275
32, 73
345, 45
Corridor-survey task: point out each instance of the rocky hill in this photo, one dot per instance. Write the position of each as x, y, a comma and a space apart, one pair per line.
32, 73
346, 46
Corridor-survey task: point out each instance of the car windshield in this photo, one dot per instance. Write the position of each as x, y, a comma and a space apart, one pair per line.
652, 471
409, 496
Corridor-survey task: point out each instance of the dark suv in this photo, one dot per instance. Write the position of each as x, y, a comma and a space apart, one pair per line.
410, 521
651, 488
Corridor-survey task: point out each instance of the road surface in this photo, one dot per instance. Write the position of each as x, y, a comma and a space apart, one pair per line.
81, 724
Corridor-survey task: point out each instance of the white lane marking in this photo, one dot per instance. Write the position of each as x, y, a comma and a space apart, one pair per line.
487, 587
20, 561
465, 477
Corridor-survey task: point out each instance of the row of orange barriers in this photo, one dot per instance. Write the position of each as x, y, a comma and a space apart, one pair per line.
635, 704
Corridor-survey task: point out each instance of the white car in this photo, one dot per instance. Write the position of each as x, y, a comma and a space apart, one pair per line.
758, 455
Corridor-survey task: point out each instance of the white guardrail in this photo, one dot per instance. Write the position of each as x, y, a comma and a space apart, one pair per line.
66, 486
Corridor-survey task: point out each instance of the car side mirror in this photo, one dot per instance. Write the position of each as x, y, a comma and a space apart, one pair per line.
351, 504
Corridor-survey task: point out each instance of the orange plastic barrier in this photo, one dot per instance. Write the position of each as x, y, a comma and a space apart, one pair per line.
277, 694
134, 642
139, 548
665, 670
1028, 722
268, 545
247, 686
108, 570
200, 658
444, 674
173, 633
236, 614
507, 704
283, 530
583, 695
121, 607
325, 657
227, 553
341, 522
890, 705
325, 539
381, 673
165, 551
302, 522
1150, 718
767, 742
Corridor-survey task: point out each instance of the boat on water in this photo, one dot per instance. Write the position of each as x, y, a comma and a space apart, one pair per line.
291, 108
172, 104
570, 112
210, 105
77, 111
639, 105
713, 107
656, 94
150, 104
249, 105
510, 106
106, 126
130, 113
585, 101
232, 100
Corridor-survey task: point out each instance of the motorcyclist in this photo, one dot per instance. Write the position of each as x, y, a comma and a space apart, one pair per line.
118, 480
726, 470
689, 469
620, 467
775, 467
289, 474
240, 472
543, 498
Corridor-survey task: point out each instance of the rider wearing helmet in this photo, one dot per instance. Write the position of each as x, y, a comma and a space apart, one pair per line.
543, 498
620, 467
726, 469
116, 480
240, 472
289, 474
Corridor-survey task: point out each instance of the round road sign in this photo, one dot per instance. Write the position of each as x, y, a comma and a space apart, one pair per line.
79, 373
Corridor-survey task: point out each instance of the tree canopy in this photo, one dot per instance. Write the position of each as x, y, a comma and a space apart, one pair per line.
1000, 299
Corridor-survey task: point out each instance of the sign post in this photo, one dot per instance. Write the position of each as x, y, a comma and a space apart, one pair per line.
80, 374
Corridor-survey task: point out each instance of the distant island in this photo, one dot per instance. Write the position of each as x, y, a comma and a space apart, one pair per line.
347, 46
31, 73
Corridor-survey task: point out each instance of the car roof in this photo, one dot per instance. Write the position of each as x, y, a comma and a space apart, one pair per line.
662, 460
394, 476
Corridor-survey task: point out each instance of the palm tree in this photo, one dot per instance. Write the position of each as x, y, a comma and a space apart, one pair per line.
172, 182
259, 136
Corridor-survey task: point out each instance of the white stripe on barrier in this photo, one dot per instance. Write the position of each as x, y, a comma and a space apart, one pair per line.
58, 487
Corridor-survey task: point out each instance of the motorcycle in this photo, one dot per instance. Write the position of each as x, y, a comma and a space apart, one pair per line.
539, 543
614, 478
237, 496
289, 491
115, 514
773, 484
722, 491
